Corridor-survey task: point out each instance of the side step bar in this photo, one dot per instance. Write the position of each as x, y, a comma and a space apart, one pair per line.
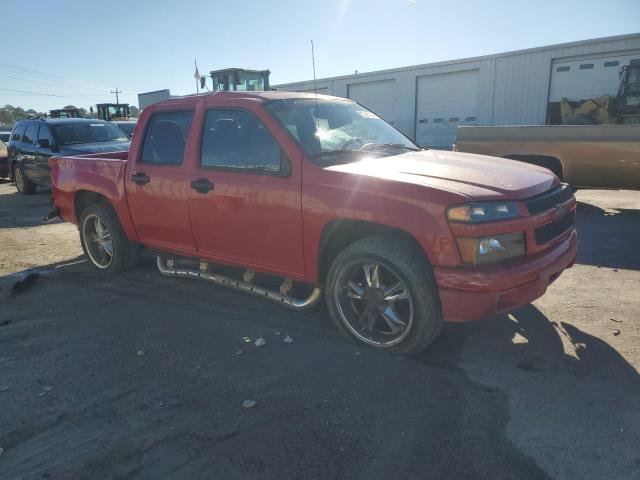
168, 269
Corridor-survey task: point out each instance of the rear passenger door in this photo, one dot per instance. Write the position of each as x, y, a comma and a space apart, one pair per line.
245, 202
157, 184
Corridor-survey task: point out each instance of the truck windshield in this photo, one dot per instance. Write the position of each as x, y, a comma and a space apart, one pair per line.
87, 132
335, 130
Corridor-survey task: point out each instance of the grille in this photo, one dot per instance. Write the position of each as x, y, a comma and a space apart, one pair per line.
548, 200
552, 230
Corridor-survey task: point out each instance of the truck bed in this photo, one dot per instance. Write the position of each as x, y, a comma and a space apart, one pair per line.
546, 133
592, 156
96, 172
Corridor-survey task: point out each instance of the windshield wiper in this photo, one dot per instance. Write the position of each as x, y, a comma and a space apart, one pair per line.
339, 151
391, 145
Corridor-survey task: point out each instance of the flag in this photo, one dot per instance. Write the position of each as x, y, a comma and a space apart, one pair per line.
197, 74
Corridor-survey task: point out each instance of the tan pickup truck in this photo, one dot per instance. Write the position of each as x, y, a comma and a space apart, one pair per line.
593, 156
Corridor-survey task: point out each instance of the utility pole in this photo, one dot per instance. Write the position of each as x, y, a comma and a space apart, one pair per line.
117, 92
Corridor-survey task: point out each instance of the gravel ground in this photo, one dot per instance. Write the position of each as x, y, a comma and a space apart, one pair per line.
137, 375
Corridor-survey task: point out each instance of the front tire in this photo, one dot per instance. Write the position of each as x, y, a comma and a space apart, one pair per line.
104, 241
23, 185
381, 292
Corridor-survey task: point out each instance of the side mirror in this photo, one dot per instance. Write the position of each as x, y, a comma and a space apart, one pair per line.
43, 143
203, 82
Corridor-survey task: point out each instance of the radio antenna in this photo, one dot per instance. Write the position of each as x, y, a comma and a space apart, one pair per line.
315, 85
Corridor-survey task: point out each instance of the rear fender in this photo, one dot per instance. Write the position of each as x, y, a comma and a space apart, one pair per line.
78, 182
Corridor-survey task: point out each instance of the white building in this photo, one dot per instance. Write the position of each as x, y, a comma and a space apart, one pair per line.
428, 102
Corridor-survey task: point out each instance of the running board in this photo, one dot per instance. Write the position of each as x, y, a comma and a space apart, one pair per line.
167, 268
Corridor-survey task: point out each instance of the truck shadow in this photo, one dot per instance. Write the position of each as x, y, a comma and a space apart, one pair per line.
608, 238
565, 390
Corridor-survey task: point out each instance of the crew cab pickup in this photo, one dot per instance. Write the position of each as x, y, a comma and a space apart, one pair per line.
316, 193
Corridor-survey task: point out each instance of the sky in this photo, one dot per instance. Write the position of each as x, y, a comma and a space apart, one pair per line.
77, 52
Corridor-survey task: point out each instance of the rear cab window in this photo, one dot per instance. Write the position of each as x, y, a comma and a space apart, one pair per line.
166, 137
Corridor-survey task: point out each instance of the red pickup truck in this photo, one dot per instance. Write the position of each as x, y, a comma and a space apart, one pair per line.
317, 193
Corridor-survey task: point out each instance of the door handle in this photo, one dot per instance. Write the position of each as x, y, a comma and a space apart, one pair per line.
140, 178
202, 185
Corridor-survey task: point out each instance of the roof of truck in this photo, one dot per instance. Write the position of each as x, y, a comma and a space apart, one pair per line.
261, 95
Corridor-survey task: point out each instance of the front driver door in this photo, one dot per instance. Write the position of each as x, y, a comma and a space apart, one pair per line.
246, 205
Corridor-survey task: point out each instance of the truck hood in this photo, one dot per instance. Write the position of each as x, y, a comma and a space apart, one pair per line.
101, 147
478, 177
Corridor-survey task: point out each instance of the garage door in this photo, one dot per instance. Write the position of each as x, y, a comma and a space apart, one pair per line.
379, 97
584, 79
445, 101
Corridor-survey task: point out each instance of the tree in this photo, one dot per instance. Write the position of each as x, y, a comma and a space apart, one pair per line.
10, 114
135, 111
5, 117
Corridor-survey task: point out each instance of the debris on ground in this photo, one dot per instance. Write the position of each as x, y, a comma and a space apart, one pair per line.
260, 342
141, 353
358, 353
4, 323
3, 388
287, 339
277, 332
239, 352
246, 339
615, 320
1, 451
47, 388
27, 282
616, 332
248, 404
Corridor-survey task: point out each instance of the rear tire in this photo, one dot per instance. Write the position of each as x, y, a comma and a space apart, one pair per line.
23, 185
367, 308
104, 241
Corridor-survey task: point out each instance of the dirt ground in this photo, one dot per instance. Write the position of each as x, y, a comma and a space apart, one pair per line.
137, 375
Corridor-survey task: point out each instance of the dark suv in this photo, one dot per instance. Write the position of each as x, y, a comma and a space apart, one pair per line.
34, 141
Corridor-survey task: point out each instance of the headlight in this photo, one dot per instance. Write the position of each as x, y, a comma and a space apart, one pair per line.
483, 212
489, 249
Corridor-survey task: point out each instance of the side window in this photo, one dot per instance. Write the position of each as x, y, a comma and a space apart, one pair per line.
166, 137
18, 132
30, 135
236, 139
45, 134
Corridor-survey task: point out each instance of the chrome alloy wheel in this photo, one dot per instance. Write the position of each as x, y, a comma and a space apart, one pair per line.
374, 303
97, 241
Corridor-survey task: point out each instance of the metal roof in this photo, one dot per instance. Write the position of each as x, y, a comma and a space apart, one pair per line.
360, 75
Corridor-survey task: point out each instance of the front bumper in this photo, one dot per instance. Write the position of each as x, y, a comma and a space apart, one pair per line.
474, 293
